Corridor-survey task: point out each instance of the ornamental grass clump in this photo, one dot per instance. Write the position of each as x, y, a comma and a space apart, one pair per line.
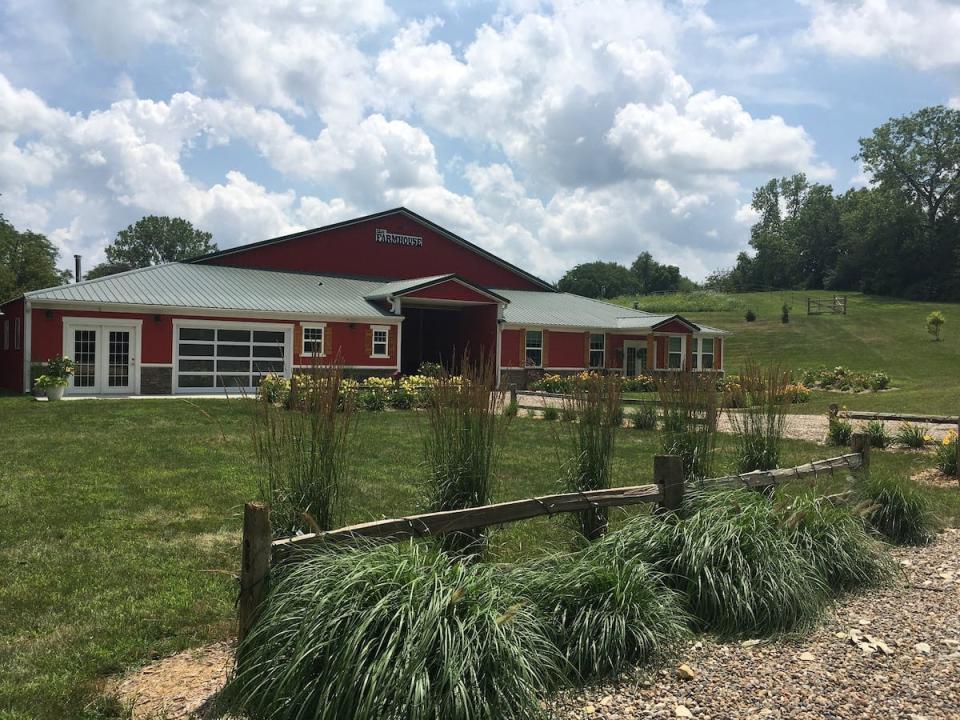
606, 613
303, 455
895, 508
393, 633
727, 554
645, 417
835, 541
759, 426
689, 421
462, 439
879, 437
587, 457
912, 436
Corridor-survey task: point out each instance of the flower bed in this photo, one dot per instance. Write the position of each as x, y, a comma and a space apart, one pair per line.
562, 384
843, 379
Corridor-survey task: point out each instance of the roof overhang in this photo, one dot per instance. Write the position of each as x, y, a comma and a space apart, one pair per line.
404, 289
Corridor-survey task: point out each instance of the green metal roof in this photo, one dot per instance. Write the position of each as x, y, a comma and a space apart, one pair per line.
194, 286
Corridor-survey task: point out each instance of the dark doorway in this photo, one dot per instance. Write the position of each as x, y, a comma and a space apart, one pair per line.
429, 335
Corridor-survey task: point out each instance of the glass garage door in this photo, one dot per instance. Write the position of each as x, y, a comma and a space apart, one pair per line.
224, 357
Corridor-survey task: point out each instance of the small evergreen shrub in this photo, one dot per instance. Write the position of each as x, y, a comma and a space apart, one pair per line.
645, 417
839, 431
785, 314
896, 509
835, 541
877, 431
604, 612
947, 451
393, 632
551, 414
750, 316
728, 555
912, 436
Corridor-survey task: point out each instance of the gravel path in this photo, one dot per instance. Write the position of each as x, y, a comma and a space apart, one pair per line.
894, 653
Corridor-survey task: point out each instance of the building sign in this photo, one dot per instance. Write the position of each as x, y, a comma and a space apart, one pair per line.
388, 238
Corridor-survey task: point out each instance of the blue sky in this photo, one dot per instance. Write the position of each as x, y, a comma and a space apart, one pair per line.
550, 133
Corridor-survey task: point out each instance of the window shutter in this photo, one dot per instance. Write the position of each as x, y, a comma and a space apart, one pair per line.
328, 341
717, 353
297, 340
586, 349
543, 361
523, 348
369, 341
392, 341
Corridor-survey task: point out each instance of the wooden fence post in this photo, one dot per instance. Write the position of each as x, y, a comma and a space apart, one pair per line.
668, 474
255, 564
860, 443
513, 393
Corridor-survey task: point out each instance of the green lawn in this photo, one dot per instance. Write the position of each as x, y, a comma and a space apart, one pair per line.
876, 334
121, 524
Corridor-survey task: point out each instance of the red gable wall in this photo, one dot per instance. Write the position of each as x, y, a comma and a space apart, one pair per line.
450, 290
353, 250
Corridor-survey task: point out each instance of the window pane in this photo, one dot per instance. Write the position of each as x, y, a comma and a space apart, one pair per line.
380, 336
196, 333
233, 366
195, 381
708, 361
233, 335
265, 366
233, 381
195, 366
190, 350
268, 352
535, 357
233, 351
707, 345
313, 333
596, 358
534, 338
596, 342
676, 344
267, 336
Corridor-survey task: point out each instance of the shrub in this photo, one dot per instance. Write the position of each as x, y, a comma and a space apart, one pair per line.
639, 383
551, 414
393, 632
785, 314
551, 383
935, 322
895, 508
462, 440
836, 543
947, 451
645, 417
430, 369
274, 388
839, 431
304, 454
840, 378
877, 431
796, 393
750, 316
590, 444
759, 427
912, 436
878, 380
689, 421
727, 554
605, 613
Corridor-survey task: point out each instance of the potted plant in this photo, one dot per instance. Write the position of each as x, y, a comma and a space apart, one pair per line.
54, 382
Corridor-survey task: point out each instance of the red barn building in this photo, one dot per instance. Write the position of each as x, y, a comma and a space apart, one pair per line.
381, 293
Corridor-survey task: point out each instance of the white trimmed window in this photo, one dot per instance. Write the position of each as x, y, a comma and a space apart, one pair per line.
675, 352
597, 348
381, 341
16, 333
533, 347
703, 353
313, 340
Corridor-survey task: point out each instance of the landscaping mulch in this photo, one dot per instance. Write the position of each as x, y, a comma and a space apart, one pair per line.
936, 478
892, 653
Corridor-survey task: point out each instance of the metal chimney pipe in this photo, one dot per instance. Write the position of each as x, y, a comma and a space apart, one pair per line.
76, 274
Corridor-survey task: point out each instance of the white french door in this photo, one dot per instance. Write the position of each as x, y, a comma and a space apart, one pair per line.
105, 354
634, 357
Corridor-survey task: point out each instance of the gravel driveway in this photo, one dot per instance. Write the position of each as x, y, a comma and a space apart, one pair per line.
893, 653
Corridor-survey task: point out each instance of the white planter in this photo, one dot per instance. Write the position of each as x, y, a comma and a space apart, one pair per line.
55, 392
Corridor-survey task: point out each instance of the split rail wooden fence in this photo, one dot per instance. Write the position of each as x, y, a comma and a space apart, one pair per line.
260, 551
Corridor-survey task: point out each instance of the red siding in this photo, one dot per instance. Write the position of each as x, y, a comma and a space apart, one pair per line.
615, 348
675, 327
511, 348
11, 359
354, 250
450, 290
565, 349
478, 331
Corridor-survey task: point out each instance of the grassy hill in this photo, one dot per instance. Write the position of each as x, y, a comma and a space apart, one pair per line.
876, 334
